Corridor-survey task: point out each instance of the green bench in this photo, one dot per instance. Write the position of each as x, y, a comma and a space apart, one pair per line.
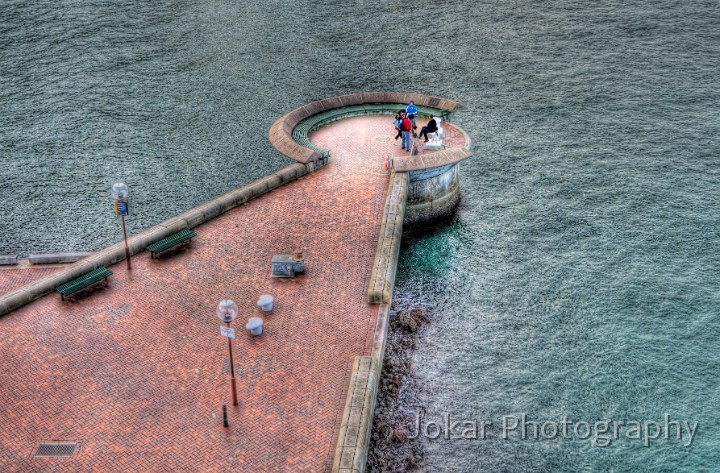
86, 280
167, 243
305, 127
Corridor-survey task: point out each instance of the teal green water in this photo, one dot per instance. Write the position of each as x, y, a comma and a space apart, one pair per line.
580, 277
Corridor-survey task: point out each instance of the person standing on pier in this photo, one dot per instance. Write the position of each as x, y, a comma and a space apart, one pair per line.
398, 122
406, 126
411, 112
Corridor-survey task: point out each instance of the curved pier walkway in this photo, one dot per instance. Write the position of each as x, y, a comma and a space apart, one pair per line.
137, 373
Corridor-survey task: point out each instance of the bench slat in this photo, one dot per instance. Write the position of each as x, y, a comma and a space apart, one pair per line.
170, 241
90, 275
83, 281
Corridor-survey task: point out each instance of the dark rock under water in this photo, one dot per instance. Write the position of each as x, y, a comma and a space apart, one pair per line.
391, 449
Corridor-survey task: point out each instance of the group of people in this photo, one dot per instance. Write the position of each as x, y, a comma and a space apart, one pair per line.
405, 124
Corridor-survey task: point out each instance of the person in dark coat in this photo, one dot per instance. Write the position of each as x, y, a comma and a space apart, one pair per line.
430, 128
397, 122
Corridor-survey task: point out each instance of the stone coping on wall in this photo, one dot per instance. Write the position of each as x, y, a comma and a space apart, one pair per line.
356, 424
281, 131
431, 160
137, 243
382, 278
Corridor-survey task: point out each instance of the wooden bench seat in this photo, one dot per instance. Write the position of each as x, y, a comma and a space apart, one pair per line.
86, 280
169, 242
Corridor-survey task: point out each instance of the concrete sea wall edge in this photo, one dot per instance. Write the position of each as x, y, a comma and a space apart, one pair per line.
137, 243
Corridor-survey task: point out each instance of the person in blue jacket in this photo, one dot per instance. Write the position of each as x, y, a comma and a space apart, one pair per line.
411, 112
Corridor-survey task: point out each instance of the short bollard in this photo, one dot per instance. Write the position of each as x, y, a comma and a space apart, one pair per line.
254, 326
265, 302
225, 419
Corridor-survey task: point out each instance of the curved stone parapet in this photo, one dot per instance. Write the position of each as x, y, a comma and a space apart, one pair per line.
281, 132
434, 183
433, 160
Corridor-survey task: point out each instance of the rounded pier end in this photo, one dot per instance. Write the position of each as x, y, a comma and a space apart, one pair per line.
432, 197
434, 178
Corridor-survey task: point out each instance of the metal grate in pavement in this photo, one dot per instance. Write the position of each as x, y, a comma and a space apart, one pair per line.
56, 449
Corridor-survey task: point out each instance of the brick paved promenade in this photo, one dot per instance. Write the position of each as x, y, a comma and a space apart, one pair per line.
137, 373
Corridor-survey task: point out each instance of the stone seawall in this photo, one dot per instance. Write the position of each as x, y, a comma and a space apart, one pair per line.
382, 278
137, 243
432, 197
354, 436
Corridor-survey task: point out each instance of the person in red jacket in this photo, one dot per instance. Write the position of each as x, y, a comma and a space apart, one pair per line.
406, 128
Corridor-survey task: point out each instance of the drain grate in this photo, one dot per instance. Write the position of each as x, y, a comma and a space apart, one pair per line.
56, 449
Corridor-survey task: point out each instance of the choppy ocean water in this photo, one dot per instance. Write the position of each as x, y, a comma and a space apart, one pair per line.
580, 277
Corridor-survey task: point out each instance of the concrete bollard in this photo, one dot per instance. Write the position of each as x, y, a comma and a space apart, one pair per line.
254, 326
265, 302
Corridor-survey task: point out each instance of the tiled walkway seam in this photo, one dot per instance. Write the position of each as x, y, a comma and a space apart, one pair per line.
114, 253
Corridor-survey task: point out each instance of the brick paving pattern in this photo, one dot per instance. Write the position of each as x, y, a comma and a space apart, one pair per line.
137, 372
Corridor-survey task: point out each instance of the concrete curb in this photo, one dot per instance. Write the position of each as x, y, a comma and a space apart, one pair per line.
354, 435
8, 260
137, 243
58, 258
382, 278
351, 450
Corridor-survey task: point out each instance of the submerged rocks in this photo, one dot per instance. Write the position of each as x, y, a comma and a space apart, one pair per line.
391, 448
409, 320
406, 322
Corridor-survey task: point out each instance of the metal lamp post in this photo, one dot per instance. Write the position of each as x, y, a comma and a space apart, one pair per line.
227, 310
120, 191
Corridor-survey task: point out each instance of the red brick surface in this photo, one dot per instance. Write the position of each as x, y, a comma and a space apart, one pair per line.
15, 278
281, 131
137, 372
